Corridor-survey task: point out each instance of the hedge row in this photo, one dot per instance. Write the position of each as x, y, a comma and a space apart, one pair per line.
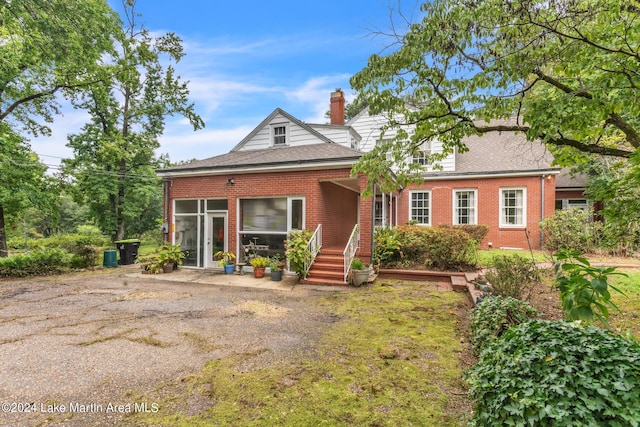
446, 247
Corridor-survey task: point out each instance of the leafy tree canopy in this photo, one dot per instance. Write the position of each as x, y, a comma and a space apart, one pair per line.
561, 71
115, 161
49, 48
22, 181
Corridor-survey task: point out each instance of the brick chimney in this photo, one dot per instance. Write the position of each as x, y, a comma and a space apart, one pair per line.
337, 107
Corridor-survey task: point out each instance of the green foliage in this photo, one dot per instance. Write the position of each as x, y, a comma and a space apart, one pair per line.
225, 258
566, 70
584, 289
477, 232
437, 247
259, 262
85, 256
23, 183
513, 276
150, 264
114, 154
617, 185
275, 263
570, 229
386, 246
40, 261
67, 242
450, 249
50, 48
170, 254
357, 264
493, 316
298, 253
543, 373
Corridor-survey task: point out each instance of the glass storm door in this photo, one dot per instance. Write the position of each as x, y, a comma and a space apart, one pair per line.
217, 240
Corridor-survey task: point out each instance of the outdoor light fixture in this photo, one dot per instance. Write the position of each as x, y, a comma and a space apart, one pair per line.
231, 181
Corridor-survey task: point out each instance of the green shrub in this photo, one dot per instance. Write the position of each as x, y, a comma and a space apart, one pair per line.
571, 229
477, 231
544, 373
513, 276
584, 289
297, 254
85, 256
37, 262
413, 244
386, 245
493, 316
442, 248
450, 249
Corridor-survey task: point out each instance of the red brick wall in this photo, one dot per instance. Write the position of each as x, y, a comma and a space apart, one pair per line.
339, 214
325, 202
488, 204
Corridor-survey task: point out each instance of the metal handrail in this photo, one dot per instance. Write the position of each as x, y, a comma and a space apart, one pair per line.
350, 250
314, 245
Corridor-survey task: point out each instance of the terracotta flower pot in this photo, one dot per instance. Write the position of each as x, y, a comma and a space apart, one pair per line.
258, 272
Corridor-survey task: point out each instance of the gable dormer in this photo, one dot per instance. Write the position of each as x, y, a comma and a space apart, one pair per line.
280, 129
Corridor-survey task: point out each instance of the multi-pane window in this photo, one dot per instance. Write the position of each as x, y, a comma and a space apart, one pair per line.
464, 207
420, 207
512, 207
421, 157
279, 135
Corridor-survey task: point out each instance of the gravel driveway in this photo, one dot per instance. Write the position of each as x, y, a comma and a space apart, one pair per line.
73, 347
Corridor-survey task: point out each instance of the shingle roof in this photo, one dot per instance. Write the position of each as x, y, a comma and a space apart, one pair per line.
275, 156
502, 152
567, 180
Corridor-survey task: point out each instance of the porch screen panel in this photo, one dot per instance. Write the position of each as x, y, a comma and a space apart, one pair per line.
264, 215
296, 214
186, 235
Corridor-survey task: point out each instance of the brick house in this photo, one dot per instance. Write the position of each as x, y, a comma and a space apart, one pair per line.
287, 175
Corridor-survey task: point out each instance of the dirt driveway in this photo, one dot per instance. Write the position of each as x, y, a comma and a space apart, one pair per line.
73, 347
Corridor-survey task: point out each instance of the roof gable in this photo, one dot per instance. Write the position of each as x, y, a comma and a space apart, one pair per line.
260, 137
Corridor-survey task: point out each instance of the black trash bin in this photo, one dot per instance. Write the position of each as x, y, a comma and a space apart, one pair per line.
128, 250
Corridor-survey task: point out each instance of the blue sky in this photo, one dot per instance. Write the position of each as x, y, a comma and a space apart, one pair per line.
244, 59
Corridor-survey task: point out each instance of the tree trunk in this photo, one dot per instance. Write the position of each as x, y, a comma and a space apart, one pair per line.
3, 235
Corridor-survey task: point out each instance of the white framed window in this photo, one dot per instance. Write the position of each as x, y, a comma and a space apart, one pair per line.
513, 207
280, 134
573, 204
465, 209
420, 208
421, 157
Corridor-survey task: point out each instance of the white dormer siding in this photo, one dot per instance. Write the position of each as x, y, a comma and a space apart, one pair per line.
270, 135
343, 135
370, 128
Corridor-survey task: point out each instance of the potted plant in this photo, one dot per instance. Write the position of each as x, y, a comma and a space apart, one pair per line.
169, 257
150, 265
275, 268
225, 260
259, 264
359, 274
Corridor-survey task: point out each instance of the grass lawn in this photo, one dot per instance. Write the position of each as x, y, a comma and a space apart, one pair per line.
393, 359
485, 256
628, 319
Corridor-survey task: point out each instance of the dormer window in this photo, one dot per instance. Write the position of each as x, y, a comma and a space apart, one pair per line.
421, 157
279, 132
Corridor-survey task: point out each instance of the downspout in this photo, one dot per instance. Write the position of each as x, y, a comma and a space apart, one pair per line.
542, 211
373, 222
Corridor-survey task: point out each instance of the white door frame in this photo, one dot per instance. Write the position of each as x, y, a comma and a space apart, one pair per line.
209, 262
